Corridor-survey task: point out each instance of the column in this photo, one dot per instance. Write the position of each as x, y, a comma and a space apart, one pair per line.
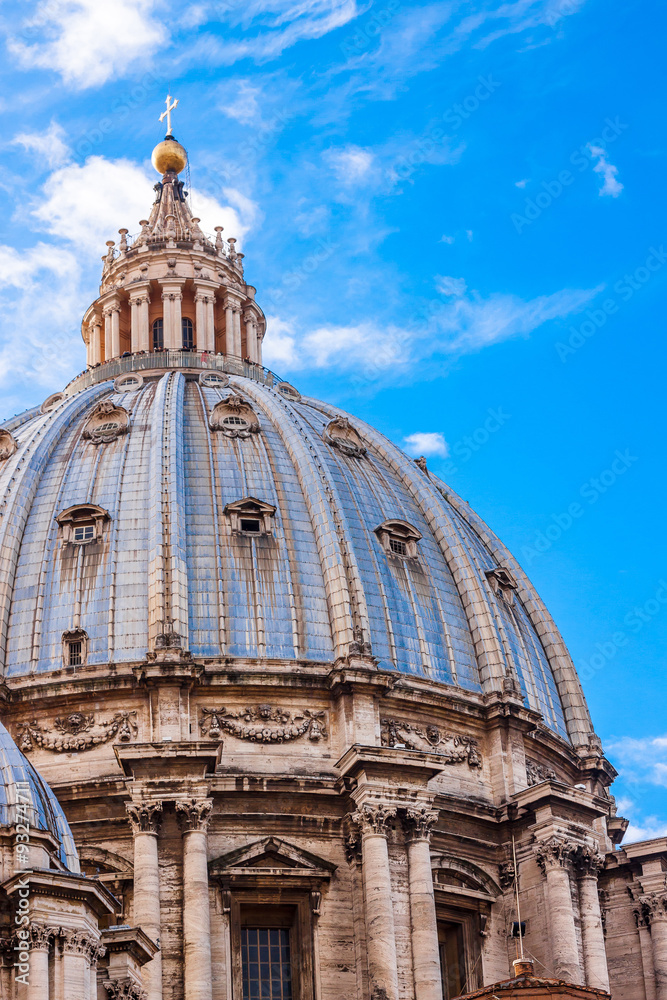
76, 979
654, 909
555, 859
251, 335
229, 326
589, 862
201, 337
145, 818
107, 334
418, 824
139, 303
210, 323
373, 820
40, 943
96, 341
173, 334
237, 332
115, 332
193, 817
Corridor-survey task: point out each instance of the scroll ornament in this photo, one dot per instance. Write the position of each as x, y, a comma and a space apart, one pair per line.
76, 732
454, 748
263, 724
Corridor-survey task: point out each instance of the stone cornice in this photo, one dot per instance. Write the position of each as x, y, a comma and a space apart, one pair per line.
550, 793
129, 940
192, 760
65, 885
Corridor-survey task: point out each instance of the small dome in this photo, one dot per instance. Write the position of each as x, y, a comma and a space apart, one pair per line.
169, 155
45, 812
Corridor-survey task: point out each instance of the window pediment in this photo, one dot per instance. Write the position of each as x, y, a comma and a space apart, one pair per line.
398, 538
250, 516
108, 421
82, 523
271, 861
235, 417
502, 583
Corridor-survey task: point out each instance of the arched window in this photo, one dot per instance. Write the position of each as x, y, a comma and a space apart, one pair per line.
188, 334
158, 334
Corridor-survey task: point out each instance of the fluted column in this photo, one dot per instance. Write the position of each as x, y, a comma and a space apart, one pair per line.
193, 816
173, 333
373, 820
654, 907
40, 944
229, 326
201, 338
139, 303
589, 862
115, 332
108, 312
237, 332
77, 947
145, 818
250, 321
555, 860
418, 824
210, 323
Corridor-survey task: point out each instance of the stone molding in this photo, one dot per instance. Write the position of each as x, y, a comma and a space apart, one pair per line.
453, 747
555, 853
76, 732
506, 875
124, 989
263, 724
418, 823
194, 814
374, 818
145, 817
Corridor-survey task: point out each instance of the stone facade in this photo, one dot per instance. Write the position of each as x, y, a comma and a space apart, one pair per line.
290, 691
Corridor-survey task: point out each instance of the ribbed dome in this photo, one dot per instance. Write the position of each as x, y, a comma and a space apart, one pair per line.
44, 810
364, 552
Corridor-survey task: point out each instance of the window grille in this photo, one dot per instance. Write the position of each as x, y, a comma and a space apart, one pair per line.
75, 653
84, 533
266, 963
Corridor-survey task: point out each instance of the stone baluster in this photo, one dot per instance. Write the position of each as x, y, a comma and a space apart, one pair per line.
145, 818
418, 824
589, 862
555, 860
76, 957
654, 908
250, 321
373, 821
193, 816
40, 945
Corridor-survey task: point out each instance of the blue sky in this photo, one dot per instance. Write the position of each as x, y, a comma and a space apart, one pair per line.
454, 217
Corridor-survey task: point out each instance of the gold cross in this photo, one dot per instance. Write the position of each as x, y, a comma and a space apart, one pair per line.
167, 114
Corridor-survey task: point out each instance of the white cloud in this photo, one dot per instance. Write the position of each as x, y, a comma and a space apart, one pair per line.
365, 349
641, 760
350, 165
87, 204
447, 239
279, 345
522, 183
447, 285
426, 443
49, 147
88, 41
609, 173
240, 100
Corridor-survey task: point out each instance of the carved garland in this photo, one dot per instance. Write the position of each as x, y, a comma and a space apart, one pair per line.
257, 724
536, 772
77, 732
454, 748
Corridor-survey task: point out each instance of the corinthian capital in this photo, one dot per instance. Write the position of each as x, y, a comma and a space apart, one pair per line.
41, 936
373, 818
79, 943
419, 822
653, 906
124, 989
588, 861
145, 817
555, 853
194, 814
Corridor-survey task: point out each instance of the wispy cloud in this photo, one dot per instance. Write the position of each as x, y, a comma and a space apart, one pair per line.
49, 146
88, 42
351, 165
641, 760
426, 443
607, 171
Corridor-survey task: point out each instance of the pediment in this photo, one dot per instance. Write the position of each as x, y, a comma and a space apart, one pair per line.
271, 859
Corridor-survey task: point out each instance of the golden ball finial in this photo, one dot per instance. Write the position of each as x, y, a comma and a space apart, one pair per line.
169, 155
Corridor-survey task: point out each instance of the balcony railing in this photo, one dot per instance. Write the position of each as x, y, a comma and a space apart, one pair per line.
158, 360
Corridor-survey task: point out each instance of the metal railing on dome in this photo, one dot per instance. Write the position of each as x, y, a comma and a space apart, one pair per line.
157, 360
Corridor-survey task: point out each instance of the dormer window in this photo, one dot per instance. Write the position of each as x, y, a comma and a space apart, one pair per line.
398, 539
251, 517
82, 524
235, 417
288, 391
75, 647
8, 445
502, 583
340, 433
214, 380
107, 422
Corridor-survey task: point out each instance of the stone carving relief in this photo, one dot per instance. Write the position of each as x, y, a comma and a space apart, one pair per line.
194, 814
52, 401
454, 748
106, 423
234, 417
77, 731
506, 875
263, 724
555, 853
124, 989
588, 860
373, 817
145, 816
340, 433
536, 772
8, 445
419, 822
